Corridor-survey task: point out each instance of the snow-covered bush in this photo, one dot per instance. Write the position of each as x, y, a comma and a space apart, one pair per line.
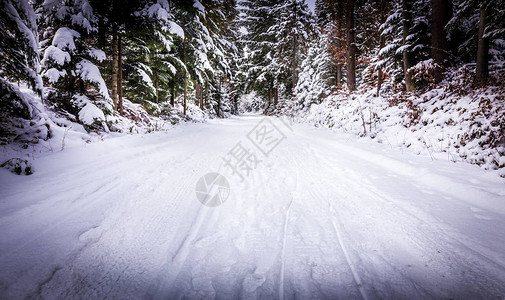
250, 102
439, 122
18, 166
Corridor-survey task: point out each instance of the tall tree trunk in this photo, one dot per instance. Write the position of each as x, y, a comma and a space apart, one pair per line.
185, 74
407, 62
276, 97
219, 97
382, 43
293, 67
201, 100
482, 67
269, 98
198, 93
185, 91
235, 104
120, 74
172, 92
339, 75
206, 96
351, 48
380, 74
114, 67
156, 86
441, 14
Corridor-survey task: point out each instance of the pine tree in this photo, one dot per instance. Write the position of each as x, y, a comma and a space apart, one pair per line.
19, 44
278, 34
477, 35
316, 78
406, 31
292, 32
351, 46
259, 65
69, 64
118, 18
151, 61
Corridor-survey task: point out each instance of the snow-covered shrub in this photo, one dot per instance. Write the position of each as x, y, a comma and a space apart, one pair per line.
194, 113
18, 166
424, 72
461, 81
250, 102
20, 117
12, 102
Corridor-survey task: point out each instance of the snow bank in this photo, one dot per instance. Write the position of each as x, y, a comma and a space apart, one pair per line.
438, 123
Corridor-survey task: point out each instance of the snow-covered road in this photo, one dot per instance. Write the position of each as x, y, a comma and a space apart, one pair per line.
324, 215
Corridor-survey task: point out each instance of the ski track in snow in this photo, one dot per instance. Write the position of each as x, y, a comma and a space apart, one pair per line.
325, 215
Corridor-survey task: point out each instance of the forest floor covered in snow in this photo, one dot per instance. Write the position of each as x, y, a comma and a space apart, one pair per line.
321, 215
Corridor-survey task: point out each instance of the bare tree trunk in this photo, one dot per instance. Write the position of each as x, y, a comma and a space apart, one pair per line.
120, 74
482, 67
382, 43
219, 97
441, 13
407, 63
114, 67
185, 91
380, 78
185, 74
351, 48
199, 94
156, 86
206, 96
276, 97
172, 93
339, 76
269, 96
235, 103
293, 67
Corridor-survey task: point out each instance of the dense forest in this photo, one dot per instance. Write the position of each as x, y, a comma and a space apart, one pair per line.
252, 149
123, 65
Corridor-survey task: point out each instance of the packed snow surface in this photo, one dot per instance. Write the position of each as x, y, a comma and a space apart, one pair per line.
323, 215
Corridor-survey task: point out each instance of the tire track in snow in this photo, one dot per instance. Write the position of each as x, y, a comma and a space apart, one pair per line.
147, 201
283, 251
442, 229
357, 279
174, 265
293, 189
169, 215
316, 193
438, 236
